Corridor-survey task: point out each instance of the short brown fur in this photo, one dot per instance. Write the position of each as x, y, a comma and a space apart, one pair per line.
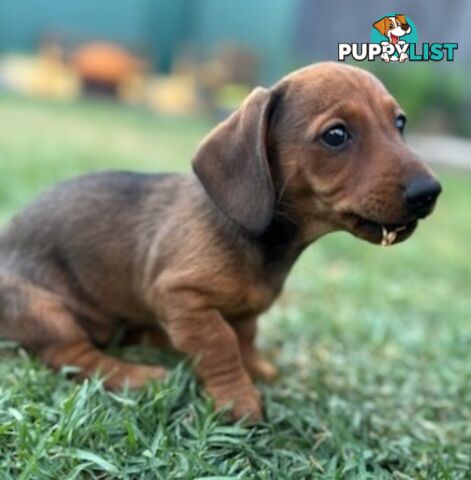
195, 259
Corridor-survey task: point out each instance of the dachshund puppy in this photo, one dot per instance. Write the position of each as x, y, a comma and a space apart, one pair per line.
194, 259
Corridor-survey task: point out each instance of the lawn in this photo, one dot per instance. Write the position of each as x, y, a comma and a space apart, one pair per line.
374, 345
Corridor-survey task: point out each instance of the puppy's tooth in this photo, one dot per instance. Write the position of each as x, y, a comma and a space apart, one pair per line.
391, 237
384, 240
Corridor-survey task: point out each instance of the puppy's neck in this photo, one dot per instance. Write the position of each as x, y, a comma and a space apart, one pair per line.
278, 247
288, 236
280, 242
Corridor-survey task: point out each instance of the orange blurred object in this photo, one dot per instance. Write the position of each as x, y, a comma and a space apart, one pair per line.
104, 67
105, 62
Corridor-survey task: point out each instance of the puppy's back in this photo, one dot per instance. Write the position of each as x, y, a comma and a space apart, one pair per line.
93, 229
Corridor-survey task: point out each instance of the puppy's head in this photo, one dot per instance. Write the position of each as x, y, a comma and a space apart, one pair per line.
323, 147
393, 27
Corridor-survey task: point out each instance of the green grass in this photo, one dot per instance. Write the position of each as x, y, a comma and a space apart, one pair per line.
374, 344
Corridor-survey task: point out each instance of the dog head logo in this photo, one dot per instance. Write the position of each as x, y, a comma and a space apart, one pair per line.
394, 28
394, 32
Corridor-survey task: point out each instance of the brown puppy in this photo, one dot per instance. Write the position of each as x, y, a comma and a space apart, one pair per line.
196, 258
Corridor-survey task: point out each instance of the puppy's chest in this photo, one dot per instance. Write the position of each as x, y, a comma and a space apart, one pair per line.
248, 298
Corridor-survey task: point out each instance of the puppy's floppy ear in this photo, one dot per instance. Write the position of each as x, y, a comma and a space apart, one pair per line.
382, 25
402, 19
232, 165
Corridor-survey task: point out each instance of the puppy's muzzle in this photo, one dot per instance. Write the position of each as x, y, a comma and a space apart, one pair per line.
421, 193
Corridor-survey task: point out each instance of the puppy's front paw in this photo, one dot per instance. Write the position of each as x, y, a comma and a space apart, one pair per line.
249, 409
245, 404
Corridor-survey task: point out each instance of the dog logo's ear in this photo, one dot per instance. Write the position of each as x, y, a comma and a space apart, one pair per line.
231, 163
402, 19
382, 25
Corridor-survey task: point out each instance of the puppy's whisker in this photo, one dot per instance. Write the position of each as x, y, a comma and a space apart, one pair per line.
283, 188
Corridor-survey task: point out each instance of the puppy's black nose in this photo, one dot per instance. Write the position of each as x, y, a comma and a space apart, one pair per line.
405, 26
421, 194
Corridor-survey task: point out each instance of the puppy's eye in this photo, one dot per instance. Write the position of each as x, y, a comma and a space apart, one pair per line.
336, 137
400, 123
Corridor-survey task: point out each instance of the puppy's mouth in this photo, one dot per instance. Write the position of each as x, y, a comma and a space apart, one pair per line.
394, 39
384, 234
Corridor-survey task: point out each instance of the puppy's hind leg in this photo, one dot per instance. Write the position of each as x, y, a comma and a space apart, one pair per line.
40, 321
84, 355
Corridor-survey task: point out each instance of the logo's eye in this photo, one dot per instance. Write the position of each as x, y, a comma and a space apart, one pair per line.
336, 137
400, 123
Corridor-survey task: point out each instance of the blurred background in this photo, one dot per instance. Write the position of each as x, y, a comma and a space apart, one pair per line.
136, 84
74, 74
197, 57
87, 85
